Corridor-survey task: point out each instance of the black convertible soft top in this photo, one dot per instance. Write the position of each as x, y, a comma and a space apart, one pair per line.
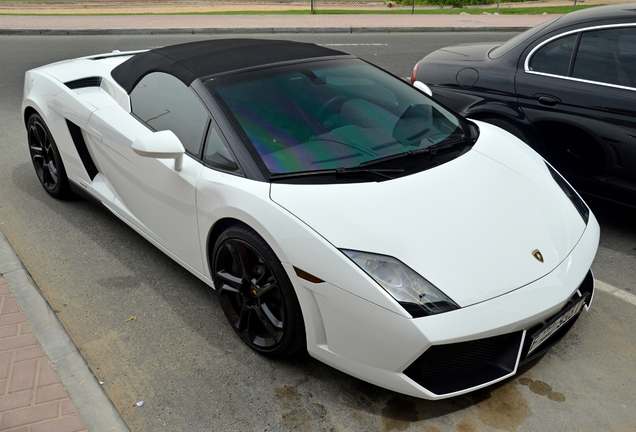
200, 59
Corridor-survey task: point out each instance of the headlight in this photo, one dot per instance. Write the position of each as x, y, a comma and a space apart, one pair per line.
416, 295
582, 208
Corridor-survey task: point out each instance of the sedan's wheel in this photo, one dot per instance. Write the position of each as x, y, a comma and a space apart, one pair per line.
256, 294
46, 158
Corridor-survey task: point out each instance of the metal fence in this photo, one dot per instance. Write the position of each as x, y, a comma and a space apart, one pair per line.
449, 6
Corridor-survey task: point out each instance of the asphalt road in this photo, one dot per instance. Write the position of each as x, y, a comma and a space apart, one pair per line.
183, 360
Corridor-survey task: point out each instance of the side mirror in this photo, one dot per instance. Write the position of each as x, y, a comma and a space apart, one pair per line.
423, 87
160, 145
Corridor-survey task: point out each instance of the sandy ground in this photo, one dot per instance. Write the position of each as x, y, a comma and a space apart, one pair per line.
141, 7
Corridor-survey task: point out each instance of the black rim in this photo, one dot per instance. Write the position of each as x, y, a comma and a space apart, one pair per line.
250, 294
42, 155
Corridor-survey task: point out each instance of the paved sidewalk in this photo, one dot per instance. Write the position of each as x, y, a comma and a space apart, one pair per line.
229, 24
45, 383
31, 396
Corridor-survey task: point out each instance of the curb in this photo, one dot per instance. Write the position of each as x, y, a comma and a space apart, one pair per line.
252, 30
91, 401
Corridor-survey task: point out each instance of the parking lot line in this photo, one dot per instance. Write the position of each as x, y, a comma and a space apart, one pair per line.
617, 292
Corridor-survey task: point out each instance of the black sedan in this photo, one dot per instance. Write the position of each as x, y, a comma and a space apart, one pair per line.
566, 87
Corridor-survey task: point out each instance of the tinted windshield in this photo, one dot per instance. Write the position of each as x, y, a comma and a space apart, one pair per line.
330, 115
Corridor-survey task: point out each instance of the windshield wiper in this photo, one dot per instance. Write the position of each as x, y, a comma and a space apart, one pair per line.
384, 173
448, 144
432, 151
395, 156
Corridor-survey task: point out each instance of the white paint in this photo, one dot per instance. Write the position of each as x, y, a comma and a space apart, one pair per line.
494, 198
616, 292
469, 226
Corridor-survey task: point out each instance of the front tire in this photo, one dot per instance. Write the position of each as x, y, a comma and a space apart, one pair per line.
255, 293
46, 158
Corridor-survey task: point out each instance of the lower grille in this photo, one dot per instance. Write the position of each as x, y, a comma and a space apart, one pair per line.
449, 368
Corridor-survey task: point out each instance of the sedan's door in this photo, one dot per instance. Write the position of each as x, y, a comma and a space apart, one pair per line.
153, 194
579, 91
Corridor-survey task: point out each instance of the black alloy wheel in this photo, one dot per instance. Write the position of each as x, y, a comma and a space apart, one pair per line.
46, 158
256, 294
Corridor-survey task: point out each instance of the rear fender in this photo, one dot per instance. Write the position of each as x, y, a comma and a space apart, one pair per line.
509, 116
41, 93
519, 127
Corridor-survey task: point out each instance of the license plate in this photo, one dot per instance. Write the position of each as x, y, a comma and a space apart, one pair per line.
556, 323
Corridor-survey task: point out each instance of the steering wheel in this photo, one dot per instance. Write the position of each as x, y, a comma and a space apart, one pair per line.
332, 106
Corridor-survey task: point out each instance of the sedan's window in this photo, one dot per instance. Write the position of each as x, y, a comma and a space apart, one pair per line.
512, 43
554, 58
331, 115
165, 103
607, 56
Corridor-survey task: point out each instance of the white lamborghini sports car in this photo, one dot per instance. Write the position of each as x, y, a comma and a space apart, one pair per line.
334, 207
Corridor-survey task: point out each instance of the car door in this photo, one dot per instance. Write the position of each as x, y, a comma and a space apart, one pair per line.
150, 193
578, 90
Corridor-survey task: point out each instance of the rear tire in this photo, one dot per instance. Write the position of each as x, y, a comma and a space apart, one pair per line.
46, 158
573, 151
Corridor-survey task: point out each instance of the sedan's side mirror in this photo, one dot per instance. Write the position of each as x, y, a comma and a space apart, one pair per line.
160, 145
423, 87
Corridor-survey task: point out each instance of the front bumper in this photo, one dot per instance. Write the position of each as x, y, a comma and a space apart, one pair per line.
383, 348
450, 368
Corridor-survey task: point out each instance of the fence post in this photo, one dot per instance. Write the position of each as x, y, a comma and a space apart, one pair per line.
312, 7
413, 9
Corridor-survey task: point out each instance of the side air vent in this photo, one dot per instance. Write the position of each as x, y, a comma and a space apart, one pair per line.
82, 150
84, 82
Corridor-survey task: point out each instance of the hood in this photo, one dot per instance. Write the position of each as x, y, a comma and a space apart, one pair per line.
469, 226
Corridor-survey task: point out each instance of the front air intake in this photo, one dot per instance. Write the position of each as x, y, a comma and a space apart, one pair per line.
449, 368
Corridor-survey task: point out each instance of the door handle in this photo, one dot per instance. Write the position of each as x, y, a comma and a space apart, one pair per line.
548, 100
